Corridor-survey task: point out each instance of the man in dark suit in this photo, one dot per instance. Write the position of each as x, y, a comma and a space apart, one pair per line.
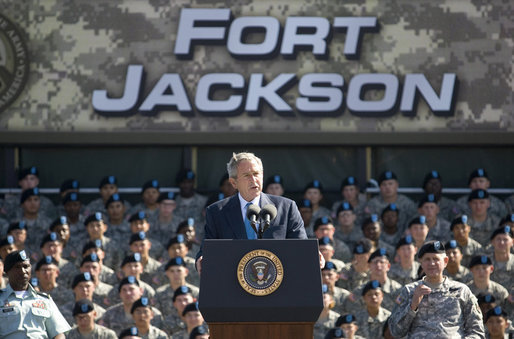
225, 219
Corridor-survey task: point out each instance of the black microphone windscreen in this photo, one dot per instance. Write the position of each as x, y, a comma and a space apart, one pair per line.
269, 209
252, 210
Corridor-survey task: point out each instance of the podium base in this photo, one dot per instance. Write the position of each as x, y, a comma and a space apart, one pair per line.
258, 330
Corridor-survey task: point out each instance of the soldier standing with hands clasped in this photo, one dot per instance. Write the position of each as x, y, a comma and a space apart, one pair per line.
436, 306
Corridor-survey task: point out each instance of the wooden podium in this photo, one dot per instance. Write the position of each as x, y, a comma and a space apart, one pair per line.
231, 311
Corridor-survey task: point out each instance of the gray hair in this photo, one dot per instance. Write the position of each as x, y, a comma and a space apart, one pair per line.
237, 159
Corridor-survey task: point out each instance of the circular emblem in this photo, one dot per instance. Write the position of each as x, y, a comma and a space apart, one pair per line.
260, 272
14, 63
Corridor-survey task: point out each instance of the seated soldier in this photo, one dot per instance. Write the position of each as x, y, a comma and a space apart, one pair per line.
503, 259
129, 333
324, 227
119, 227
139, 243
188, 229
314, 192
418, 229
454, 268
356, 273
372, 318
173, 307
486, 302
190, 204
18, 230
350, 192
139, 223
96, 228
85, 314
142, 314
274, 185
61, 227
176, 272
432, 184
372, 230
192, 318
326, 247
348, 323
305, 209
481, 267
51, 245
118, 316
92, 264
83, 287
72, 210
469, 247
131, 266
165, 222
406, 270
329, 276
36, 223
497, 322
107, 187
149, 205
47, 271
327, 319
199, 332
391, 232
107, 274
437, 227
379, 267
177, 247
347, 231
481, 221
67, 186
7, 246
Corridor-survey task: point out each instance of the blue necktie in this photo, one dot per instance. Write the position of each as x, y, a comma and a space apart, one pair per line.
250, 233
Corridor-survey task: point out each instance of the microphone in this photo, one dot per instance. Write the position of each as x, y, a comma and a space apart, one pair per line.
267, 214
252, 212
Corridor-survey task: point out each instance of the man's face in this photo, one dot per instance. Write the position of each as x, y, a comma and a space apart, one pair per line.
85, 321
327, 251
32, 204
406, 253
390, 219
379, 266
96, 229
19, 235
313, 194
325, 231
248, 180
142, 316
349, 329
141, 246
63, 231
329, 277
454, 256
350, 193
419, 232
19, 275
47, 273
193, 319
107, 190
166, 207
28, 182
116, 210
433, 264
150, 196
139, 226
389, 188
187, 188
429, 210
346, 218
306, 214
372, 231
6, 249
481, 273
461, 232
497, 325
373, 298
189, 233
275, 189
176, 273
479, 183
52, 248
177, 250
433, 186
84, 290
132, 268
99, 252
72, 209
130, 293
479, 206
502, 242
182, 301
92, 267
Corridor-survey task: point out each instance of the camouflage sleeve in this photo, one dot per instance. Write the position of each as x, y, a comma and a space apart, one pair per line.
402, 315
473, 322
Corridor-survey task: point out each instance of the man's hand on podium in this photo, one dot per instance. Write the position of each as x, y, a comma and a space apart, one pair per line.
321, 260
199, 265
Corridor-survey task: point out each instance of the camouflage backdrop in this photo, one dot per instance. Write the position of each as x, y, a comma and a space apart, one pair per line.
76, 47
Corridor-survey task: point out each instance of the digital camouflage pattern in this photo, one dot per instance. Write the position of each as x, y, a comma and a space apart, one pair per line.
79, 46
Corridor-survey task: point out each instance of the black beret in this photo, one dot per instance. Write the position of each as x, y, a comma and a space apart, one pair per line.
421, 220
371, 285
184, 174
431, 247
345, 206
485, 298
13, 258
62, 220
49, 238
406, 240
198, 330
179, 239
48, 260
134, 257
90, 258
181, 291
129, 332
86, 276
349, 181
506, 229
97, 216
391, 207
329, 265
190, 308
335, 333
108, 180
150, 184
137, 237
142, 302
480, 260
166, 196
130, 280
462, 220
26, 171
70, 184
386, 175
379, 252
141, 215
83, 306
20, 225
113, 198
323, 241
70, 196
362, 246
345, 319
478, 173
314, 184
323, 221
96, 244
8, 240
189, 223
452, 244
372, 219
478, 194
496, 312
426, 199
274, 179
29, 193
431, 175
177, 261
305, 203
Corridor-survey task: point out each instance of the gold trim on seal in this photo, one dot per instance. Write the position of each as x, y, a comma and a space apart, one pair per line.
242, 271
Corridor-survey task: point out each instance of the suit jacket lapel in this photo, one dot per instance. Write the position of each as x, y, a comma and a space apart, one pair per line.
234, 218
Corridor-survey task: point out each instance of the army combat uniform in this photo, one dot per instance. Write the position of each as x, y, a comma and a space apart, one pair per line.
99, 332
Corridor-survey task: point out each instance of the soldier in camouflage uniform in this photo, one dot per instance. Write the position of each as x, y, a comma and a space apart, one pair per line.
171, 304
356, 273
329, 276
142, 314
406, 270
347, 230
326, 247
305, 209
350, 192
391, 232
176, 274
7, 246
189, 203
47, 271
327, 319
388, 183
151, 274
139, 222
107, 187
72, 206
177, 248
497, 323
481, 267
166, 221
149, 195
96, 229
432, 184
372, 231
118, 316
18, 230
481, 221
314, 193
28, 178
502, 257
478, 179
468, 246
436, 306
51, 246
193, 318
61, 227
438, 228
85, 314
324, 227
454, 269
92, 264
372, 318
348, 323
68, 186
118, 227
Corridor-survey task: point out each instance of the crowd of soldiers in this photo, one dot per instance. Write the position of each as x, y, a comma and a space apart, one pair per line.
115, 269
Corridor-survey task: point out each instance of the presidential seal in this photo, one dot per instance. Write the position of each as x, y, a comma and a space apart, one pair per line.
260, 272
14, 63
